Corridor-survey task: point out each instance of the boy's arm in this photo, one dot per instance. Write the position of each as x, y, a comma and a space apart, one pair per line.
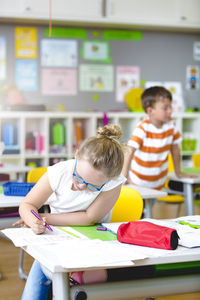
128, 155
176, 156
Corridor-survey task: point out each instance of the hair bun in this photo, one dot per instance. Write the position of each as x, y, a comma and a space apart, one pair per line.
110, 131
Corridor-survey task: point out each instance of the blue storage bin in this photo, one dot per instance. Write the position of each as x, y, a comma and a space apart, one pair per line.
12, 188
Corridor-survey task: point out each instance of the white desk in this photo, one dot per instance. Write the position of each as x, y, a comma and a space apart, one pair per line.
6, 202
10, 201
188, 185
148, 194
117, 290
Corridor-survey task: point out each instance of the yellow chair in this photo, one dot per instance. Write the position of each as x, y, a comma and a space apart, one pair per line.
32, 176
173, 198
35, 174
196, 164
129, 206
196, 160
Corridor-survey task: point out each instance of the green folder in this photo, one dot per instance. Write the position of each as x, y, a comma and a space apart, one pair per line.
91, 232
191, 170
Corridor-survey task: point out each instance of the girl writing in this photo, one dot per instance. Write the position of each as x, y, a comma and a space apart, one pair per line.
80, 191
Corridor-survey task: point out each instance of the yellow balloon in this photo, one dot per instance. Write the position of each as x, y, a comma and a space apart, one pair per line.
133, 99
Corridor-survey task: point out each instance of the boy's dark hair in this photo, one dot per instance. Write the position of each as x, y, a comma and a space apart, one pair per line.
153, 94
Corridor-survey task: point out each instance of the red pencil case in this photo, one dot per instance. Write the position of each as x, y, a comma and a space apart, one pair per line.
147, 234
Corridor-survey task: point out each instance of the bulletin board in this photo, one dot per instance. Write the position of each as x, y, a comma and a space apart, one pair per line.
147, 55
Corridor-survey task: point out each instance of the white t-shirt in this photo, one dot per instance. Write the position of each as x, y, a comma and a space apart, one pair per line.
64, 199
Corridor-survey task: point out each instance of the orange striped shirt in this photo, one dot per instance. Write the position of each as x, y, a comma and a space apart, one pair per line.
149, 165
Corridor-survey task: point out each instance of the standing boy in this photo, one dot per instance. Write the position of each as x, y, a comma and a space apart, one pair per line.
146, 161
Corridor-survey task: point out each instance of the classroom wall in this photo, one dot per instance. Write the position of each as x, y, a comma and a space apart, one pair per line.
161, 56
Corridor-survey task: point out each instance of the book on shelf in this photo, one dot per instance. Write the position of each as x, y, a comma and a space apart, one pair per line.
78, 133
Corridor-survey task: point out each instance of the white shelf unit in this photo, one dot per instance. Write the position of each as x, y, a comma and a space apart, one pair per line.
33, 133
127, 121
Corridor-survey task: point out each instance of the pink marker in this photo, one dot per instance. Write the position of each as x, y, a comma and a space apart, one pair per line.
101, 228
38, 217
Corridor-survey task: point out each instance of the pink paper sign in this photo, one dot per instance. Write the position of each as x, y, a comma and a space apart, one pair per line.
59, 81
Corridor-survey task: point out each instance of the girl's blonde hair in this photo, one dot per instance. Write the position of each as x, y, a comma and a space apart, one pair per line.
104, 151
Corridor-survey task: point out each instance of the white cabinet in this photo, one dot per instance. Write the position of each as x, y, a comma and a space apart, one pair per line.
155, 13
189, 12
35, 8
10, 8
61, 9
143, 11
44, 138
145, 14
77, 8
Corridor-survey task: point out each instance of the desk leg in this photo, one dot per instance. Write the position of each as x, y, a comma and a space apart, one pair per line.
188, 193
22, 275
61, 288
148, 208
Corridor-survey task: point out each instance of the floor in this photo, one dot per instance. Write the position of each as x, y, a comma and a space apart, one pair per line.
11, 286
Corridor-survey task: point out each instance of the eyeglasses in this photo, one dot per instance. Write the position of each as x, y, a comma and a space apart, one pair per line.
78, 179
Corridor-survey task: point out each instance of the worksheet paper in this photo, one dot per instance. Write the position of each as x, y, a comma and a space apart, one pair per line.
93, 252
188, 237
25, 236
79, 254
73, 252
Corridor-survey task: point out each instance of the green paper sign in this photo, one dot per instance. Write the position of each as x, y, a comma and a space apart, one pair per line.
122, 35
74, 33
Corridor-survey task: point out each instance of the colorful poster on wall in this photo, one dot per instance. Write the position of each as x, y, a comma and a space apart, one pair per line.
56, 81
59, 53
175, 87
2, 58
26, 42
97, 51
127, 77
26, 74
96, 78
192, 78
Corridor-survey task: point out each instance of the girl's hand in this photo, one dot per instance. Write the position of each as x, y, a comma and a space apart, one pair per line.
20, 223
38, 226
